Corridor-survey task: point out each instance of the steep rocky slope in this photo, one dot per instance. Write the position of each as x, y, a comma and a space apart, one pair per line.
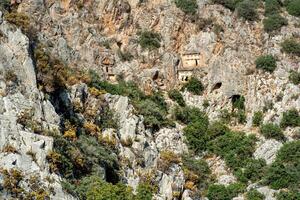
67, 133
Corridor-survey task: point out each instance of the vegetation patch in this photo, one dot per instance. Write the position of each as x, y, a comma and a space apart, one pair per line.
221, 192
254, 195
293, 7
272, 7
284, 172
252, 171
294, 77
290, 118
176, 96
194, 86
288, 195
291, 46
149, 40
257, 118
266, 63
274, 22
189, 7
247, 10
270, 130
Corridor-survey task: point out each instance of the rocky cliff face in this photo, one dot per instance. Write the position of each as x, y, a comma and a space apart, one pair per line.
52, 141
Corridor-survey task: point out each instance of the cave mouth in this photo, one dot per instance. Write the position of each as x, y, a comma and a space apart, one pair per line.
217, 86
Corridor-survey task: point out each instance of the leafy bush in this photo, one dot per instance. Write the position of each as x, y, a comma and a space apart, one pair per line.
107, 119
220, 192
257, 118
284, 195
196, 137
254, 195
241, 116
274, 22
284, 172
194, 86
217, 129
149, 40
294, 77
187, 6
293, 7
199, 168
235, 147
290, 118
272, 7
253, 170
247, 10
190, 114
266, 63
272, 131
4, 5
175, 95
144, 192
291, 46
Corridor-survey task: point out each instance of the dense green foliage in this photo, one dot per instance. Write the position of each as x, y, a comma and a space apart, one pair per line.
149, 40
293, 7
270, 130
220, 192
234, 147
247, 10
194, 86
266, 63
284, 172
253, 170
254, 195
272, 7
144, 192
284, 195
294, 77
189, 114
291, 46
187, 6
257, 118
274, 22
175, 95
199, 168
290, 118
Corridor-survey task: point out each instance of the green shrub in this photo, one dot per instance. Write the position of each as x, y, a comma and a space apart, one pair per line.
107, 119
284, 172
199, 168
195, 134
272, 7
100, 190
241, 116
254, 195
290, 118
154, 117
274, 22
293, 7
144, 192
187, 6
194, 86
4, 5
190, 114
247, 10
175, 95
272, 131
253, 171
291, 46
220, 192
257, 118
294, 77
225, 116
149, 40
235, 147
205, 104
284, 195
217, 129
266, 63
